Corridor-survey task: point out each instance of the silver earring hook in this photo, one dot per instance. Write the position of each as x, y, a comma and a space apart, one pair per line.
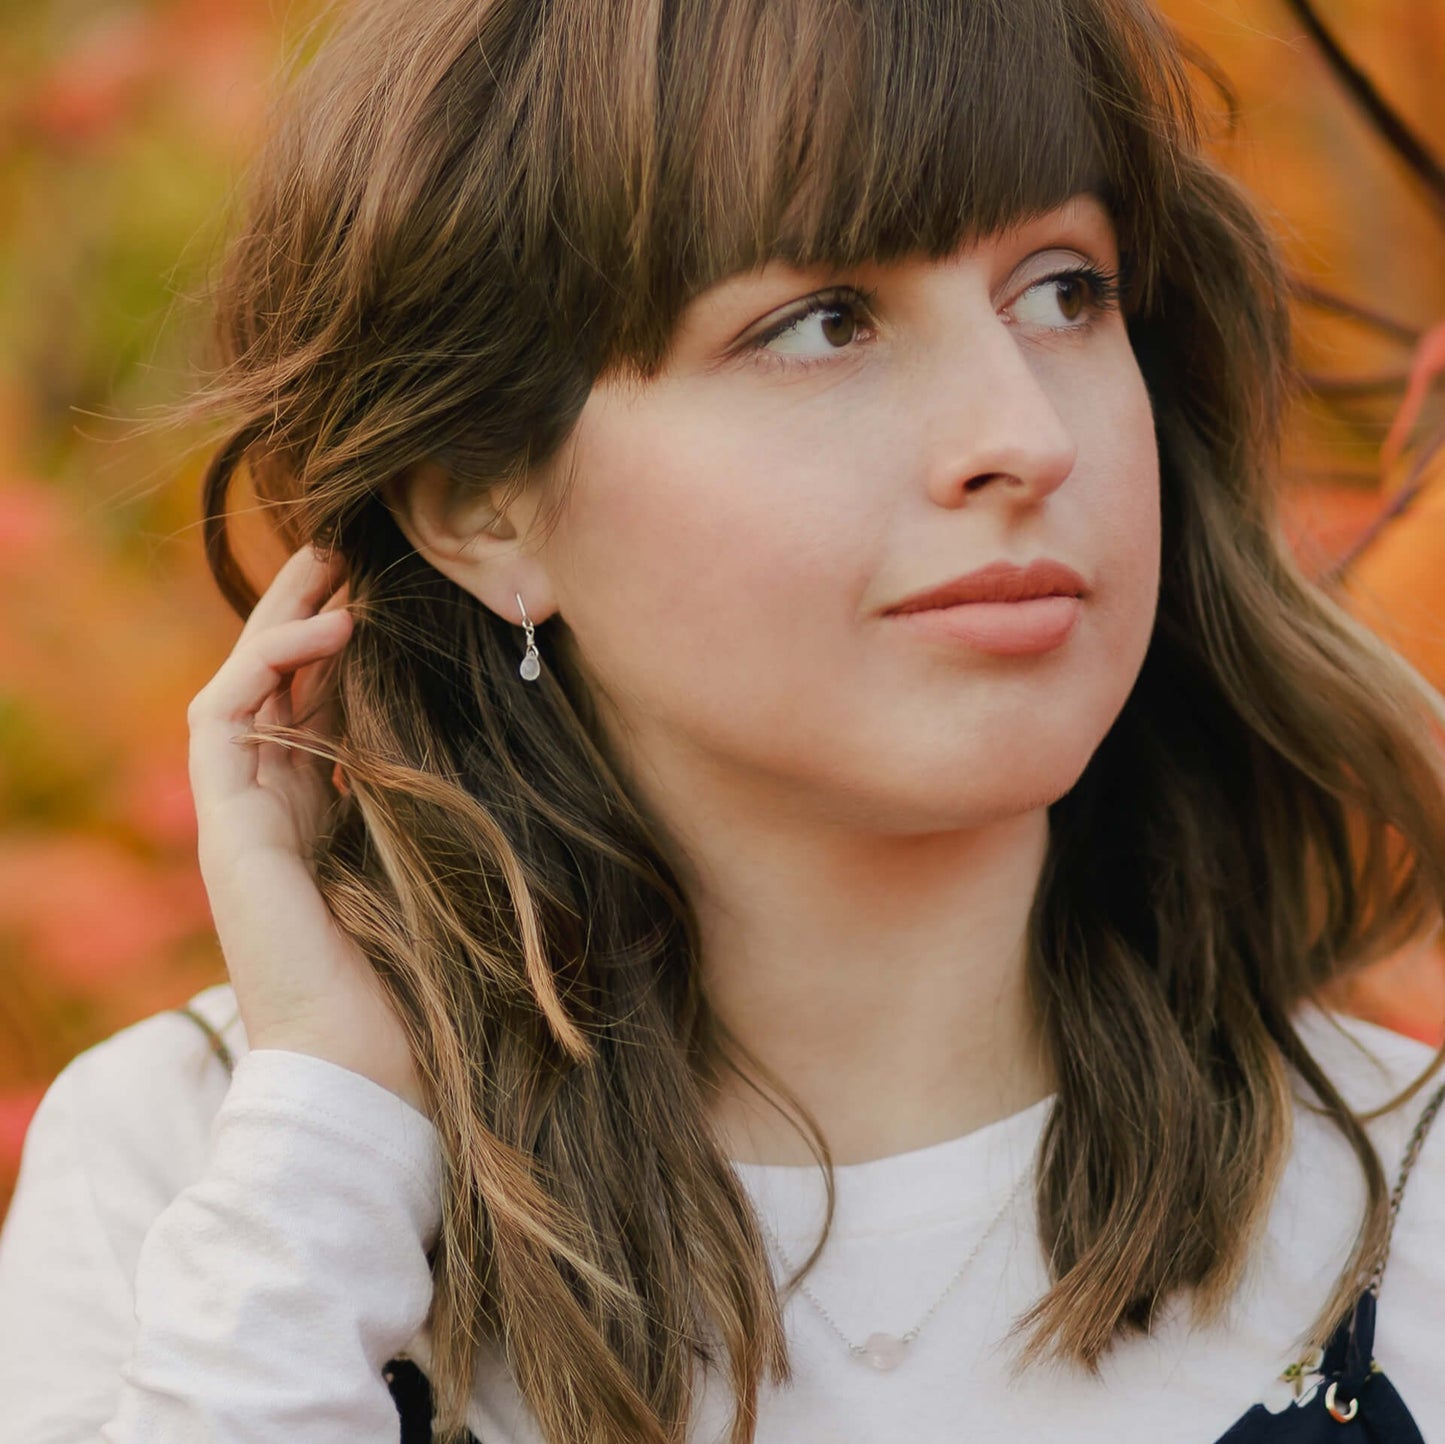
531, 667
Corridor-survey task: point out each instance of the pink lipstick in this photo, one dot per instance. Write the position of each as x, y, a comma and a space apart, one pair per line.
1001, 608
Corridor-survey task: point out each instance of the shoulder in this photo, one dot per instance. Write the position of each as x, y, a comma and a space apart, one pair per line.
1371, 1066
163, 1067
1320, 1202
130, 1116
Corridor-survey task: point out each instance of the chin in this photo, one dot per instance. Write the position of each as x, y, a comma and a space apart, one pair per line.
1021, 780
954, 795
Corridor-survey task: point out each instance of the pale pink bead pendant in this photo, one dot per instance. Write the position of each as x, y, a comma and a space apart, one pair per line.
883, 1351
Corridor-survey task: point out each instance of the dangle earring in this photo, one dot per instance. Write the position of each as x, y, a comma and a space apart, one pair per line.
531, 667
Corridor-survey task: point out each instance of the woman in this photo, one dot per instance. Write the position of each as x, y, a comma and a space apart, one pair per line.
788, 658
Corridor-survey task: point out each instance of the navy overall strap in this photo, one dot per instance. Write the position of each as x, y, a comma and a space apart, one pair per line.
411, 1389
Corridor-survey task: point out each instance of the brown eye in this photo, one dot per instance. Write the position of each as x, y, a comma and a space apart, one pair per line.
839, 325
1073, 296
1078, 297
826, 325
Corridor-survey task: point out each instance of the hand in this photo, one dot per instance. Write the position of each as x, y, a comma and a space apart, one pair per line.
300, 981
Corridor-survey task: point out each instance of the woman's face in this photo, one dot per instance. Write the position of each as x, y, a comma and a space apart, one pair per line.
737, 527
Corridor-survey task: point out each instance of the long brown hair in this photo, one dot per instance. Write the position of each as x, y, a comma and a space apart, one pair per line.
467, 212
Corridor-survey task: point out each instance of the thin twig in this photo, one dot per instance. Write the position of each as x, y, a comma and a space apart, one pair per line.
1333, 575
1401, 138
1325, 300
1382, 383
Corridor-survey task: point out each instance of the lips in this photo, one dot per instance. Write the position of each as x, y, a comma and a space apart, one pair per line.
1000, 581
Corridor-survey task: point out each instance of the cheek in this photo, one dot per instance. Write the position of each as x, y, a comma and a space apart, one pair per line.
1131, 466
1115, 515
703, 565
1118, 512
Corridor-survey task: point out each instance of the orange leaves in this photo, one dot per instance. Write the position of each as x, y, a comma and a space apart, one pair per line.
207, 61
1397, 585
17, 1107
96, 82
90, 913
31, 523
1428, 365
1322, 522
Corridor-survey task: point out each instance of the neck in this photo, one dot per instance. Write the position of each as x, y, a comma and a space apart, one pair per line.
880, 978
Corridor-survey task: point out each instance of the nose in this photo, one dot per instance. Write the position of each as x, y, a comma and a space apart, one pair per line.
995, 428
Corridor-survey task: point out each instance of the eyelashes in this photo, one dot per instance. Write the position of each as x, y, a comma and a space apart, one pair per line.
1103, 287
1102, 295
835, 300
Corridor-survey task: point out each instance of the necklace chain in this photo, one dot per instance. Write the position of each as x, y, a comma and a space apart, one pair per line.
884, 1350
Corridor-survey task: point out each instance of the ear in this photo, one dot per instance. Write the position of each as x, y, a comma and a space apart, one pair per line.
490, 553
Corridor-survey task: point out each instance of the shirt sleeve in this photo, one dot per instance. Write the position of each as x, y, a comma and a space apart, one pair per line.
265, 1295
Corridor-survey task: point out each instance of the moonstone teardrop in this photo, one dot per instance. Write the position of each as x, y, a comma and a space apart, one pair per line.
883, 1351
531, 667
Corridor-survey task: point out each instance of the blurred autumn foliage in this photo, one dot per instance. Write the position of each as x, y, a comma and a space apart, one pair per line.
122, 126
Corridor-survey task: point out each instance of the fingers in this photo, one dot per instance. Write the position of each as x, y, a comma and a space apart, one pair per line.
300, 698
305, 580
338, 598
228, 704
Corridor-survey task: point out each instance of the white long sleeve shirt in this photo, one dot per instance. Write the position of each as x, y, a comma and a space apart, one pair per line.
194, 1257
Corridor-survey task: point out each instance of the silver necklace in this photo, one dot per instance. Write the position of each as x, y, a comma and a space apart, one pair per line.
885, 1351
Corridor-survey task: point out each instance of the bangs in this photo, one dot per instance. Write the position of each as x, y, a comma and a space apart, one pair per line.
699, 140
